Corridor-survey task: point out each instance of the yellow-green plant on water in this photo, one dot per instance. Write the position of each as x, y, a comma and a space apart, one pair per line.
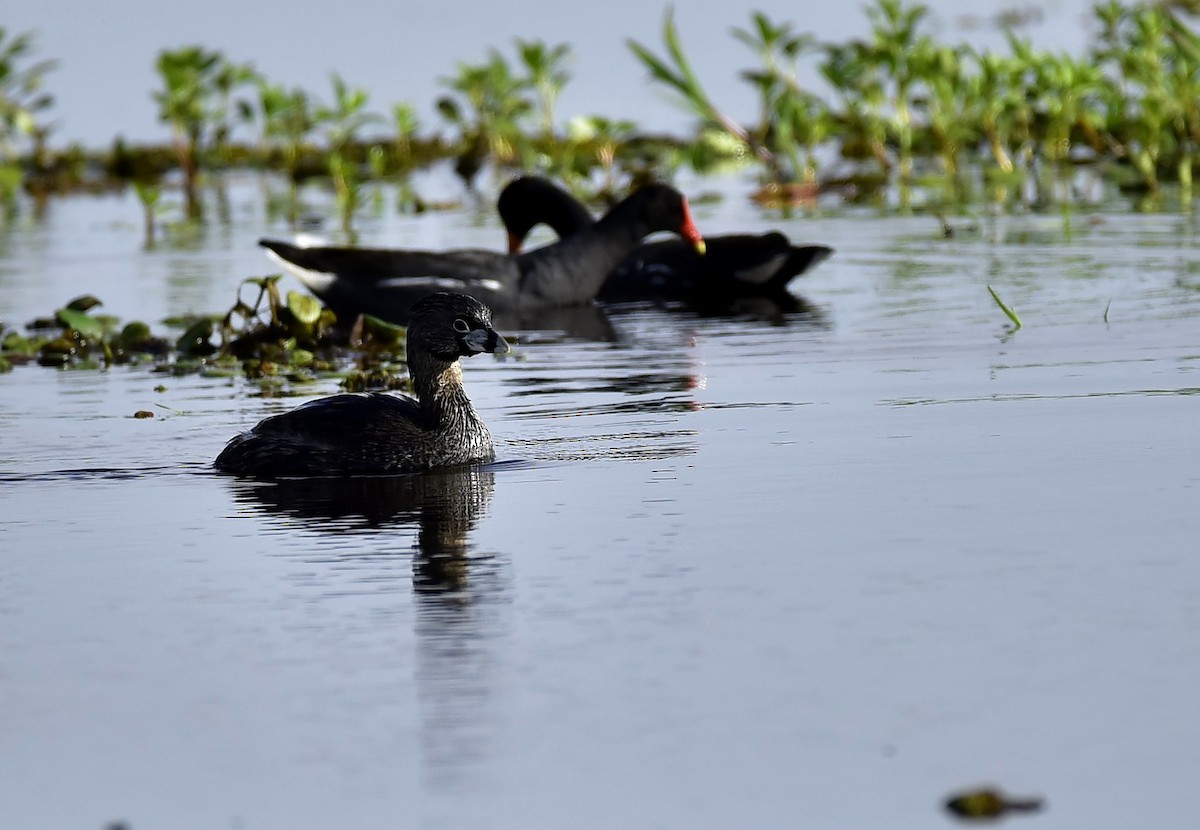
792, 121
342, 122
487, 104
948, 108
546, 74
598, 139
148, 194
195, 101
22, 100
893, 55
1008, 312
1000, 88
404, 121
675, 72
907, 110
1155, 108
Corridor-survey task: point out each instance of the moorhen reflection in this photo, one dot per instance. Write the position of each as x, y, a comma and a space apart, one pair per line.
442, 505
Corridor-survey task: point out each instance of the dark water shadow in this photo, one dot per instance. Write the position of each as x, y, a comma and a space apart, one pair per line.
593, 322
84, 474
582, 322
442, 506
461, 605
777, 308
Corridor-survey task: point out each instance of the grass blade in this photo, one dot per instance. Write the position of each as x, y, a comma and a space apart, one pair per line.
1012, 315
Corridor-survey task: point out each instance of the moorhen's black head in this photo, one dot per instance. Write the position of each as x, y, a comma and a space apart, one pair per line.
450, 326
663, 208
528, 201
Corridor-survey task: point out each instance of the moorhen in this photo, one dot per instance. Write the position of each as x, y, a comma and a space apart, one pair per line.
733, 266
387, 282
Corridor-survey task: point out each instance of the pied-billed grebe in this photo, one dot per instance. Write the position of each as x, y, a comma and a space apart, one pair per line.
359, 434
386, 282
734, 265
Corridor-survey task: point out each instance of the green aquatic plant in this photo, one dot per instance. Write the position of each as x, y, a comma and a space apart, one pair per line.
197, 85
406, 124
148, 194
675, 72
22, 102
487, 104
273, 339
949, 110
22, 97
342, 121
989, 805
286, 120
276, 338
792, 121
546, 74
1000, 92
602, 139
1068, 94
906, 110
75, 337
1008, 312
1154, 60
894, 58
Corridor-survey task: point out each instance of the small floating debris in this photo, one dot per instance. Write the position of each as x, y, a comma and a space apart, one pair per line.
989, 805
143, 413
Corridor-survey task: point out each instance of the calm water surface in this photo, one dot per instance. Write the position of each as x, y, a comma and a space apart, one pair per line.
731, 572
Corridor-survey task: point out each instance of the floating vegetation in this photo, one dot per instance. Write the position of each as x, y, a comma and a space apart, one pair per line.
75, 338
989, 805
908, 114
275, 340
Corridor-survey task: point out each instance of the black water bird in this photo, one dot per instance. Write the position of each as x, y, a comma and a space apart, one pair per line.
733, 266
361, 434
387, 282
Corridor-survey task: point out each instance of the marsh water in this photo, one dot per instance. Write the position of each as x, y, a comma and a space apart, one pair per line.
817, 569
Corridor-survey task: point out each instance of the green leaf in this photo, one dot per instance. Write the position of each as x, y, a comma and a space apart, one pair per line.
194, 342
86, 325
1012, 315
304, 307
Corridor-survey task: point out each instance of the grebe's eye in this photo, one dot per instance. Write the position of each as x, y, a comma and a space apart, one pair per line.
461, 326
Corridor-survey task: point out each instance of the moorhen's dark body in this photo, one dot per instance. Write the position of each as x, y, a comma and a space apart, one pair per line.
361, 434
732, 266
386, 282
